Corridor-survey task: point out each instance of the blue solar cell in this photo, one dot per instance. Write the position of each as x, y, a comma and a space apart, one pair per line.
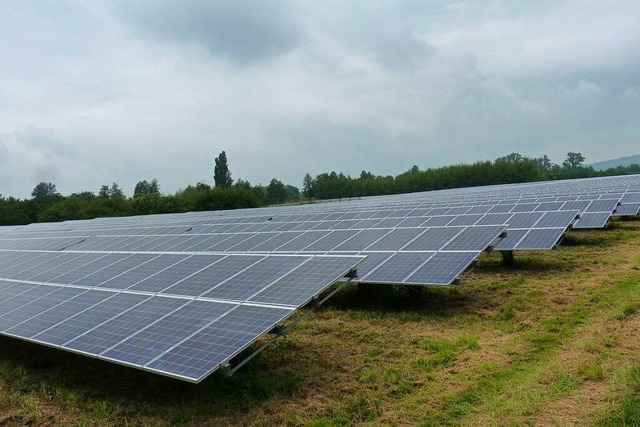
442, 269
362, 240
142, 271
152, 341
540, 239
118, 328
246, 283
557, 219
396, 239
26, 264
32, 303
524, 219
206, 350
204, 280
89, 268
436, 221
463, 220
84, 321
433, 238
397, 268
173, 274
330, 240
606, 205
592, 220
305, 282
474, 238
111, 271
58, 313
628, 209
510, 241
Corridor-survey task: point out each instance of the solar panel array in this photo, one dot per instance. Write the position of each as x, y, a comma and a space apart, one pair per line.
179, 315
183, 294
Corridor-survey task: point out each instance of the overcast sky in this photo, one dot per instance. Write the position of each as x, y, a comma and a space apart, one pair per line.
94, 92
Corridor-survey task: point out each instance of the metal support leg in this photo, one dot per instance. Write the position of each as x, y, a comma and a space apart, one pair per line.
508, 258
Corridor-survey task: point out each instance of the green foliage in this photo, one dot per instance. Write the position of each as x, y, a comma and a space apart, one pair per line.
512, 168
202, 197
276, 192
14, 211
145, 188
45, 192
221, 172
308, 186
47, 204
573, 161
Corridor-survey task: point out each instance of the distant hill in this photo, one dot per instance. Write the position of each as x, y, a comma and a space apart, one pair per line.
622, 161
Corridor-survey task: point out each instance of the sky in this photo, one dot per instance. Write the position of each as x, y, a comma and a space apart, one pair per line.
94, 92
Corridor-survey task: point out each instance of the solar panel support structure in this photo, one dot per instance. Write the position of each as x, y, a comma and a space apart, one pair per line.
281, 329
508, 258
415, 291
489, 248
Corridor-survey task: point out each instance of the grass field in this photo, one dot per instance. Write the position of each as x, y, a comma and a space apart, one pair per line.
554, 340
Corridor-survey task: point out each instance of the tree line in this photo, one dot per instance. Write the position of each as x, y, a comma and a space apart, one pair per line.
513, 168
47, 204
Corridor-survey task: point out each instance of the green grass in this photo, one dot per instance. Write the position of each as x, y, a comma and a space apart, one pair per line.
628, 411
511, 346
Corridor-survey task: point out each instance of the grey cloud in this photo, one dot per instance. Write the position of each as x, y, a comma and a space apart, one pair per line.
117, 91
243, 31
27, 156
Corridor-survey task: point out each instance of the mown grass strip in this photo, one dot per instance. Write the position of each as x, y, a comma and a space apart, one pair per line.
544, 340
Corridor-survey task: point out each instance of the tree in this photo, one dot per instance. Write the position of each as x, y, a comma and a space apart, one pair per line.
544, 163
292, 191
145, 188
115, 192
308, 186
241, 183
104, 192
574, 161
44, 191
276, 192
221, 173
366, 175
510, 158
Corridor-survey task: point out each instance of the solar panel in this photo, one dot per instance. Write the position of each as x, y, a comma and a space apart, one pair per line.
473, 239
135, 309
606, 205
205, 351
433, 238
628, 209
399, 265
559, 219
540, 239
592, 220
525, 219
102, 336
631, 197
510, 241
441, 268
45, 244
164, 334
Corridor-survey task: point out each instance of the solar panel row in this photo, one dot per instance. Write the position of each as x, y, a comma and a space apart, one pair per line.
152, 311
